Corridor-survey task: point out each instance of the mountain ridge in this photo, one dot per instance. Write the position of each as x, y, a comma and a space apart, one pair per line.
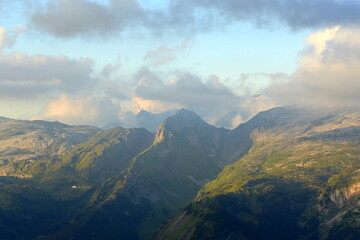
281, 186
216, 183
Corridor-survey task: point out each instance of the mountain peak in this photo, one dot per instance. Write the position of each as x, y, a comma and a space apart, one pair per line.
143, 112
152, 120
183, 122
184, 112
184, 119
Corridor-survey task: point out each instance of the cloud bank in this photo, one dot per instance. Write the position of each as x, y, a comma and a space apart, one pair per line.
327, 74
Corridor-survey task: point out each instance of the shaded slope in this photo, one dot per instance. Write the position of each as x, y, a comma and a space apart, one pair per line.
184, 156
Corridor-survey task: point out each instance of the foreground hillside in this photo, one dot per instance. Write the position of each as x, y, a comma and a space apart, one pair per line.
300, 180
288, 173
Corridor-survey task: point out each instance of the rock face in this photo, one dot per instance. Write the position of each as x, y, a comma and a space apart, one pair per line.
346, 196
339, 206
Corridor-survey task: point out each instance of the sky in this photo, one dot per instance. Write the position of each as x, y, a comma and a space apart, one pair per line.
100, 62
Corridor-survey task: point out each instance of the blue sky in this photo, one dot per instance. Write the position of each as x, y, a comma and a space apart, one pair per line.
95, 62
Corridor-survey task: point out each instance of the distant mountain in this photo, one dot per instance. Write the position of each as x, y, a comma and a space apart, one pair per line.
300, 180
151, 121
144, 119
22, 143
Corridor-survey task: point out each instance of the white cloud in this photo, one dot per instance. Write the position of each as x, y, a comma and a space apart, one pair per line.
328, 73
80, 110
165, 54
8, 38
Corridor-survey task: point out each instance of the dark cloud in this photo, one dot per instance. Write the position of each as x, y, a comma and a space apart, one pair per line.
69, 18
28, 76
188, 90
295, 14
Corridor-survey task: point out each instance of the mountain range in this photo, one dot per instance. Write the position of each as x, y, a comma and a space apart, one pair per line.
288, 173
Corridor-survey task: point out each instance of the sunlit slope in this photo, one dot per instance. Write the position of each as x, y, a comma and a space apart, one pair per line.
286, 186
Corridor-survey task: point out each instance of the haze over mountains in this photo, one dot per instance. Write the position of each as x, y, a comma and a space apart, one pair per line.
145, 119
151, 121
288, 173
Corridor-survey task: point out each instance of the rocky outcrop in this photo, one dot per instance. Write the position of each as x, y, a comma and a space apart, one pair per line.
339, 210
346, 196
